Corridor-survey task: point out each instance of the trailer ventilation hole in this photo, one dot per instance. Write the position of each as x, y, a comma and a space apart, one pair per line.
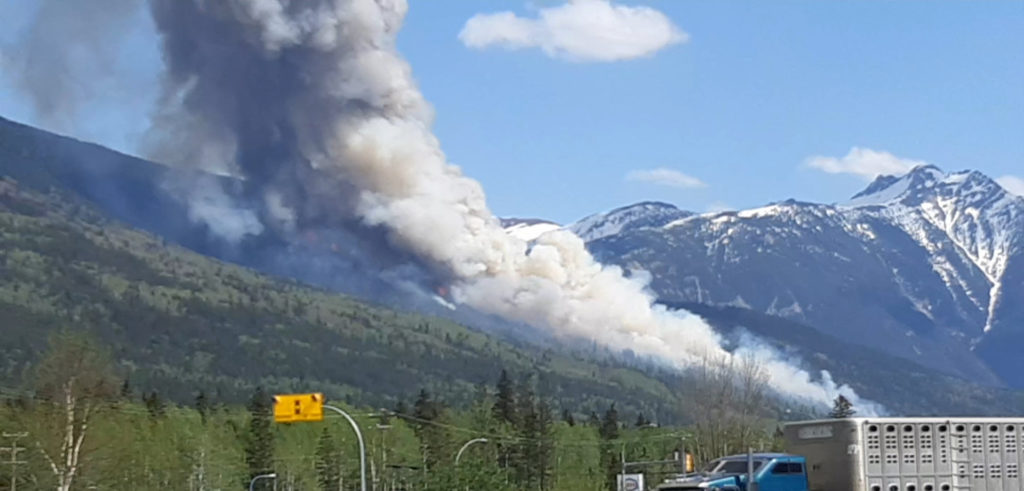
942, 429
926, 428
976, 428
893, 487
873, 428
1010, 428
876, 488
960, 428
993, 428
945, 487
890, 428
911, 487
928, 487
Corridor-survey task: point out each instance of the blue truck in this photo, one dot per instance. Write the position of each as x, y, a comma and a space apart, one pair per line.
876, 454
768, 472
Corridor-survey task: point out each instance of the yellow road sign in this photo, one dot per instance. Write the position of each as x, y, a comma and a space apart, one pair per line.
295, 408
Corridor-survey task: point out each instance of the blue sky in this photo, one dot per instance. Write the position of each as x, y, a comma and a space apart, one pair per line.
756, 90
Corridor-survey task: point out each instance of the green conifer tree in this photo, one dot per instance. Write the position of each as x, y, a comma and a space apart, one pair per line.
505, 401
568, 417
842, 408
328, 462
259, 439
202, 406
609, 432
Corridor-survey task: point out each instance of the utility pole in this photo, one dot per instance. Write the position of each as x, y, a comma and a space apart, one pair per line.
13, 450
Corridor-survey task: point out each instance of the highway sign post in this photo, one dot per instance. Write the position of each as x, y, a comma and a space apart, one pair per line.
301, 408
298, 408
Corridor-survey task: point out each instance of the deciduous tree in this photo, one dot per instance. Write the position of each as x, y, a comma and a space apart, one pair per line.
76, 380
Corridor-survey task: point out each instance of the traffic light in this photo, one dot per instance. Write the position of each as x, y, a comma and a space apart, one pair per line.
295, 408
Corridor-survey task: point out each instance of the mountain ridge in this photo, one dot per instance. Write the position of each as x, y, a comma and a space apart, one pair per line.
929, 259
63, 171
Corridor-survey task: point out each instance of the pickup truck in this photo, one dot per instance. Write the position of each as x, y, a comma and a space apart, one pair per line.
876, 454
770, 472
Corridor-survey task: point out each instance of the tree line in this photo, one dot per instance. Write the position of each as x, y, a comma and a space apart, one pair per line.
81, 426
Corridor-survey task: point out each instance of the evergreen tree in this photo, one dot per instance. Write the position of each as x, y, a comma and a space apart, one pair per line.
594, 421
842, 408
126, 390
641, 421
425, 413
156, 407
401, 409
259, 440
568, 418
525, 458
505, 402
610, 424
609, 432
328, 462
545, 445
202, 406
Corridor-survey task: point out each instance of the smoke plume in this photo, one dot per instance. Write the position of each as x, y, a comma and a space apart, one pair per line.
312, 106
66, 55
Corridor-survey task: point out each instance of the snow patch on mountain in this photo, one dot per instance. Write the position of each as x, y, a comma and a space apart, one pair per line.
527, 231
979, 217
641, 215
923, 253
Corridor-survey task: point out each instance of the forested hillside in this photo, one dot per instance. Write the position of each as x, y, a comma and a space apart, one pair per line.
179, 323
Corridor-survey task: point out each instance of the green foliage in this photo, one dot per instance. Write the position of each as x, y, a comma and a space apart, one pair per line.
328, 462
505, 404
842, 408
610, 457
259, 445
177, 322
202, 405
154, 405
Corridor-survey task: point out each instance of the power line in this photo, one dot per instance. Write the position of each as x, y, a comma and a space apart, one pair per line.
13, 450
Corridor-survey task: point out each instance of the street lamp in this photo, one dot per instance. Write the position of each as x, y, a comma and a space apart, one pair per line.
272, 475
464, 447
362, 447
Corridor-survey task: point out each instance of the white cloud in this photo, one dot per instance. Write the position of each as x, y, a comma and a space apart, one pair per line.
864, 162
580, 30
1012, 184
665, 177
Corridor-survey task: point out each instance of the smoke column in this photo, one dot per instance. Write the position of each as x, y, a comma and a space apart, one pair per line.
312, 105
67, 56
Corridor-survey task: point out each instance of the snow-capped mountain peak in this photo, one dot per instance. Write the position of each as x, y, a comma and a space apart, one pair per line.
640, 215
528, 229
975, 213
929, 265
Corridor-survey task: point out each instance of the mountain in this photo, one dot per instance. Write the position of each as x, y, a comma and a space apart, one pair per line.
85, 240
528, 228
928, 266
628, 218
151, 197
179, 322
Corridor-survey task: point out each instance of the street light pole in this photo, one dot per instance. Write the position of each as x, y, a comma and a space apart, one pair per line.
272, 475
362, 447
464, 447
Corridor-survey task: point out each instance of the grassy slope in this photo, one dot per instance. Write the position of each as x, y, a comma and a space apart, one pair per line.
180, 322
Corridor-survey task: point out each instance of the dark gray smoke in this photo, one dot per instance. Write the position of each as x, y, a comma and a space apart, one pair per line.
66, 55
249, 93
308, 104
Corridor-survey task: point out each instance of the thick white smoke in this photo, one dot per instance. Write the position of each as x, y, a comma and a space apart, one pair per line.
354, 135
